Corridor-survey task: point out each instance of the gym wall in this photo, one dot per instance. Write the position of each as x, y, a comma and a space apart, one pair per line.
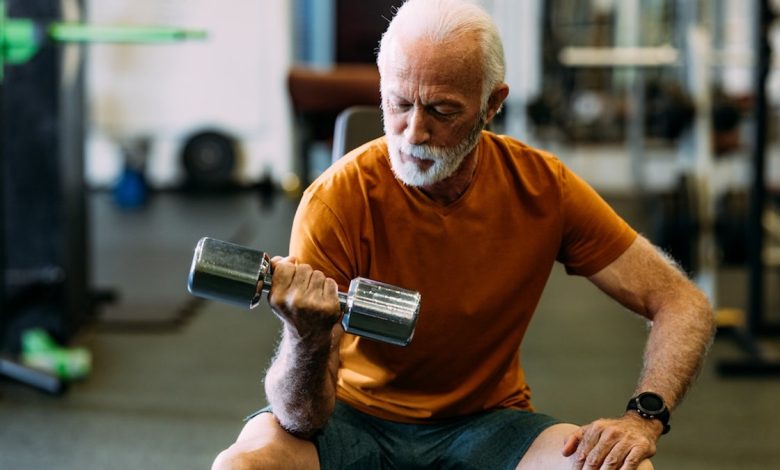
234, 82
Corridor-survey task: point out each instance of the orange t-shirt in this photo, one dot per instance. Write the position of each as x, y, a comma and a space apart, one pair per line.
480, 263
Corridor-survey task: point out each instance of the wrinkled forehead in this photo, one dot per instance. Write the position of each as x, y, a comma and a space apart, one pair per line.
420, 62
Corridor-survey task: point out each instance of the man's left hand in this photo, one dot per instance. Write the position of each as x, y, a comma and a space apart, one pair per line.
621, 443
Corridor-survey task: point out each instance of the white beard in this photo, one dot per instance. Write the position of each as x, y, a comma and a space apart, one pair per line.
445, 160
411, 174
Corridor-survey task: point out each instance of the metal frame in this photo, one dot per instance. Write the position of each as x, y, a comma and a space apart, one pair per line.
759, 362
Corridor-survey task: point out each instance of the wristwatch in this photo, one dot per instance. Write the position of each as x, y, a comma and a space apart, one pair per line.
650, 405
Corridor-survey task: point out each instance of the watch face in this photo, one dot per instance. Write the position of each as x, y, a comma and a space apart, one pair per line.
651, 403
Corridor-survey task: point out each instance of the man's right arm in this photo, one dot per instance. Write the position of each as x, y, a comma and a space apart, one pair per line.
301, 382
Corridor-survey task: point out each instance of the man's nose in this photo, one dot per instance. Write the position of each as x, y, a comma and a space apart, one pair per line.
416, 131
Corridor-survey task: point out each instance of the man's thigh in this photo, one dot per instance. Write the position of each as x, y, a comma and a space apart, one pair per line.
354, 440
547, 451
493, 439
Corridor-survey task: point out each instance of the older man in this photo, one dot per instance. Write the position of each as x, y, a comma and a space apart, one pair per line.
475, 222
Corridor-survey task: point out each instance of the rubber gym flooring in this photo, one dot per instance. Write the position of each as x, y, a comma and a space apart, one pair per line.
173, 376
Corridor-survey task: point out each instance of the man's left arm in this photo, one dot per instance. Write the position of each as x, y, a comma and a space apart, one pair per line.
682, 328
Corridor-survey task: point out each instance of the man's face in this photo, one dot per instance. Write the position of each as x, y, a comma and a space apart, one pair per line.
433, 114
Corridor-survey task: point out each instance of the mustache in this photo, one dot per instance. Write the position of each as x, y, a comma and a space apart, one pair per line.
423, 151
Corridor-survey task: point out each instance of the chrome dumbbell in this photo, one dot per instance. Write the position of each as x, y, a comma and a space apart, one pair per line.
238, 275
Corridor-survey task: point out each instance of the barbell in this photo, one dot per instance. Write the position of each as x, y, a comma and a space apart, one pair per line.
234, 274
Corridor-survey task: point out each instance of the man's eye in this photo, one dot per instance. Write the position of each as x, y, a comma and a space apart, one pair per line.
442, 111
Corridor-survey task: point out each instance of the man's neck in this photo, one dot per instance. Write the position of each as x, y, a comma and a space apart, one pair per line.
447, 191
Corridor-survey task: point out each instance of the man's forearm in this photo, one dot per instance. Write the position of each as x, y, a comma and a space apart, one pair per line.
648, 282
300, 385
679, 338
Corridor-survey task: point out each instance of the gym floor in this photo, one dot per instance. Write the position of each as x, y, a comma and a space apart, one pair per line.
174, 376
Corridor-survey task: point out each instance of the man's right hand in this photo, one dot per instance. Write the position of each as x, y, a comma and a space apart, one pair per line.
303, 298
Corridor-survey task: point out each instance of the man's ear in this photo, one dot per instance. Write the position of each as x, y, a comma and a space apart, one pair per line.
496, 100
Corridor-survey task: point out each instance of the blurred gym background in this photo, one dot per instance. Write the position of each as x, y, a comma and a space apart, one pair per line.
130, 129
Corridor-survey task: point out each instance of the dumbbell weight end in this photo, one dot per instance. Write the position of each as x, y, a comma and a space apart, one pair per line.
375, 310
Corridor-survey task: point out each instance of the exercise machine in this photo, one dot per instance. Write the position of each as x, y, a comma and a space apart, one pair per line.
44, 256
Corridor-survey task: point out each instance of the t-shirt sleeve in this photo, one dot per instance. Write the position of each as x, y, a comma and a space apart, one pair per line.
318, 238
594, 235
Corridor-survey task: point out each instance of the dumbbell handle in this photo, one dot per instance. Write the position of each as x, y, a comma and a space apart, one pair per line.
265, 267
238, 275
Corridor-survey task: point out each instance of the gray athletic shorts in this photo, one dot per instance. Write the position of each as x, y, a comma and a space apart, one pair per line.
491, 440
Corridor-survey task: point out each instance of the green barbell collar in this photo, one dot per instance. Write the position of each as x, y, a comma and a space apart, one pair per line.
75, 32
18, 40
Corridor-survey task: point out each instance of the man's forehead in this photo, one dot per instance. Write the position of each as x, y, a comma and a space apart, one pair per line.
463, 48
421, 60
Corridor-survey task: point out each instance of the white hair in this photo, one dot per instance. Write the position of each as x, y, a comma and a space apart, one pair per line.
442, 21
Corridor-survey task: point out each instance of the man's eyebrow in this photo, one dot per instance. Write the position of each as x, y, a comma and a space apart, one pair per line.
434, 102
439, 101
388, 93
445, 102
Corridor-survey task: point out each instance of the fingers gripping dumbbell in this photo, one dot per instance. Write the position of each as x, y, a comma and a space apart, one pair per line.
231, 273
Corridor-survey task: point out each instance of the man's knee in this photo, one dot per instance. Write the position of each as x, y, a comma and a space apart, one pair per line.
264, 444
546, 450
240, 457
230, 458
